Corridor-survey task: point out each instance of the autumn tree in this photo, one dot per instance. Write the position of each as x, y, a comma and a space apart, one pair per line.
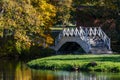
28, 20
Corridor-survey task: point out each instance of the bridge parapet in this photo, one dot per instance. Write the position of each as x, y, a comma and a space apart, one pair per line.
85, 33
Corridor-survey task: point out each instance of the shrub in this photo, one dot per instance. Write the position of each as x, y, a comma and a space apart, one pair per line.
37, 52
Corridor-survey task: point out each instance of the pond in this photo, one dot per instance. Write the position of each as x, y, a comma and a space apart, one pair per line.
11, 70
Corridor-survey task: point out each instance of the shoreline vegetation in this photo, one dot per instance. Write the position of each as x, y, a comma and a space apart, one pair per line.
91, 62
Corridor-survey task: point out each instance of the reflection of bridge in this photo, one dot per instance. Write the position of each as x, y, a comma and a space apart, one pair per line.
91, 39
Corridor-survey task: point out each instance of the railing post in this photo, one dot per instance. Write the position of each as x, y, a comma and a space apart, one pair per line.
109, 44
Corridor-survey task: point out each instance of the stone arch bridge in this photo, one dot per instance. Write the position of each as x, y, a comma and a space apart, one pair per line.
91, 39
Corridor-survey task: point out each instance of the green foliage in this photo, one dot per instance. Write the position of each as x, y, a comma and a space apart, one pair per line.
64, 8
104, 63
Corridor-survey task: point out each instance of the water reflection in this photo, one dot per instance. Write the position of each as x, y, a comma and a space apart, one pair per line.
64, 75
11, 70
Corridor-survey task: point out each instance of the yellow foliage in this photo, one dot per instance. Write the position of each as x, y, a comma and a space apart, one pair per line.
47, 11
27, 17
49, 39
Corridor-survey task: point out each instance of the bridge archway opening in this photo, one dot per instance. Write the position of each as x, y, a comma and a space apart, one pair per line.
71, 48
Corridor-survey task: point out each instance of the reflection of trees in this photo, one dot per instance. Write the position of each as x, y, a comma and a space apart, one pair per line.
43, 75
10, 70
22, 72
7, 70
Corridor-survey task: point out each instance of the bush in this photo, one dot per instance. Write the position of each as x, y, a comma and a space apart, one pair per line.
37, 52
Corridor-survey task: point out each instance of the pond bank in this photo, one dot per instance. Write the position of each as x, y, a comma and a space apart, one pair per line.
14, 70
99, 63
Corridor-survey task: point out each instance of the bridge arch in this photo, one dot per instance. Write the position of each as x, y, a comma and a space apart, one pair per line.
72, 39
71, 47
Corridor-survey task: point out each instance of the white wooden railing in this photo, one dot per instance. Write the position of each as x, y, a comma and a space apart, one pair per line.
85, 34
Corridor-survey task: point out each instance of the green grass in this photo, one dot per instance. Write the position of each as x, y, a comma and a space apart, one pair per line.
101, 63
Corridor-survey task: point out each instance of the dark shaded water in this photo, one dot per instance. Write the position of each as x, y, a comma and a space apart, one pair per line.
10, 70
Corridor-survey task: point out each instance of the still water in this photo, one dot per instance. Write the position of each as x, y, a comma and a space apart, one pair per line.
11, 70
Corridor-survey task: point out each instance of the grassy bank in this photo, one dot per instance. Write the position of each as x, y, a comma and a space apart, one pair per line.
99, 63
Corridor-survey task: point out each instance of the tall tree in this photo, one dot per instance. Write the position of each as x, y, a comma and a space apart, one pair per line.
28, 20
